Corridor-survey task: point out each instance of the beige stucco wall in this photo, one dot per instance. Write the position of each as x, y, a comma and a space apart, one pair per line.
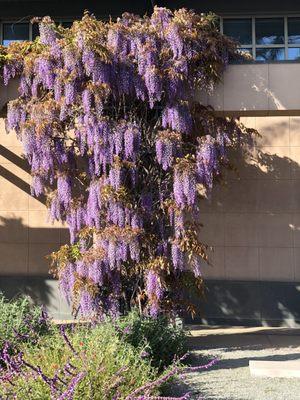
25, 235
257, 89
26, 238
253, 220
245, 89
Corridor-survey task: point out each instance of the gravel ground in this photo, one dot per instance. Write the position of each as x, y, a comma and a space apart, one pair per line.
230, 379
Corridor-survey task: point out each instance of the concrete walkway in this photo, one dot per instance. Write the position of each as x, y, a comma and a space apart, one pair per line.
230, 378
215, 337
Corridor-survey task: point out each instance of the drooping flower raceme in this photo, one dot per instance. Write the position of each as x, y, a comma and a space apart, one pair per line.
121, 150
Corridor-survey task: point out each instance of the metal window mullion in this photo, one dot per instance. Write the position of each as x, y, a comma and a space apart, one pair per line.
30, 31
270, 45
253, 39
286, 38
1, 32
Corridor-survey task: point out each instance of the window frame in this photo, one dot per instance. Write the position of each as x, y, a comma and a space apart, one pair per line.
254, 46
16, 22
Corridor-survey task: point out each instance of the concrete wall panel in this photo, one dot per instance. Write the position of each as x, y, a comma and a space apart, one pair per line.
26, 235
259, 207
245, 88
243, 303
283, 89
252, 219
257, 89
242, 263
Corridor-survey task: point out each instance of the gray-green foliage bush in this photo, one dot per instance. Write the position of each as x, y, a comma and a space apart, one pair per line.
110, 367
103, 361
21, 320
162, 341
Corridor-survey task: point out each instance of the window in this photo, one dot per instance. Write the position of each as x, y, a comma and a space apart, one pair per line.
269, 31
239, 29
265, 38
270, 53
15, 33
35, 31
19, 32
66, 24
294, 30
294, 53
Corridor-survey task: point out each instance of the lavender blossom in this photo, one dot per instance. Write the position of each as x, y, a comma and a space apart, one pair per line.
116, 143
69, 392
178, 118
178, 190
64, 191
132, 137
177, 257
87, 100
154, 291
47, 31
96, 272
86, 303
189, 187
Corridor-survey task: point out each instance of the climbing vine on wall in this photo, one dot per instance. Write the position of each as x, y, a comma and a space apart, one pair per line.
121, 149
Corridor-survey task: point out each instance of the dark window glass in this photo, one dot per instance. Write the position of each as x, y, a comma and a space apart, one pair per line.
66, 24
272, 54
269, 30
294, 53
35, 31
238, 29
15, 33
294, 30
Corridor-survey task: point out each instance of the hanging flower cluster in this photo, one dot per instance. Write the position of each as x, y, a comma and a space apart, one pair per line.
107, 118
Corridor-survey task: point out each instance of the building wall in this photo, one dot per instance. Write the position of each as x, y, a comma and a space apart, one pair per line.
26, 237
252, 219
26, 9
55, 8
234, 6
253, 223
257, 89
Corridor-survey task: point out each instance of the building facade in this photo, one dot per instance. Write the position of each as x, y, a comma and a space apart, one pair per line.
252, 220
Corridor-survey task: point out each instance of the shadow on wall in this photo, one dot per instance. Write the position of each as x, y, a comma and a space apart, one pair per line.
26, 272
25, 243
259, 241
22, 164
255, 232
248, 303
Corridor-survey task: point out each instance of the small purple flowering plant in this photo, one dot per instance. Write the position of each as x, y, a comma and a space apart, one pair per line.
91, 361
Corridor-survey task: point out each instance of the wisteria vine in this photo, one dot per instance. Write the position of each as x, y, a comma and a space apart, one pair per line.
121, 149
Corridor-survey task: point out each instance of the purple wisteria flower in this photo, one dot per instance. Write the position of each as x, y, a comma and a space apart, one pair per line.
120, 150
47, 31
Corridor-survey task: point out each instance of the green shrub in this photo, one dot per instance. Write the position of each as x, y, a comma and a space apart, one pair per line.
161, 340
21, 320
108, 360
111, 366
